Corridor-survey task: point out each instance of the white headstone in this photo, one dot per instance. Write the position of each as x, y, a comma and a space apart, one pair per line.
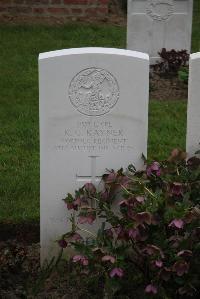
193, 113
157, 24
93, 116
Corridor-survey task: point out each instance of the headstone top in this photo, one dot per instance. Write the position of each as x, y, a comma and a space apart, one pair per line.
195, 56
95, 50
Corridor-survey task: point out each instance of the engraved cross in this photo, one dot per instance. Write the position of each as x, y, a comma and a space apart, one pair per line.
93, 178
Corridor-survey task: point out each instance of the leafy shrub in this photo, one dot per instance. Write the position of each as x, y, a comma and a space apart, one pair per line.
118, 6
148, 243
123, 5
183, 74
171, 62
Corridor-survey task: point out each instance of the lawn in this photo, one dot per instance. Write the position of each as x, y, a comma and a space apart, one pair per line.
19, 146
196, 26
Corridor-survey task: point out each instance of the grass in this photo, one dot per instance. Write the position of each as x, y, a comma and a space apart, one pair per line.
19, 134
196, 27
19, 146
167, 128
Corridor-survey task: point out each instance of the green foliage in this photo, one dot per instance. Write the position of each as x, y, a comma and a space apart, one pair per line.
148, 242
183, 74
171, 62
123, 5
167, 127
196, 26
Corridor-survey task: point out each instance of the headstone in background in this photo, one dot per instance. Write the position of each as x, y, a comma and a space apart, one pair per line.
193, 113
93, 116
157, 24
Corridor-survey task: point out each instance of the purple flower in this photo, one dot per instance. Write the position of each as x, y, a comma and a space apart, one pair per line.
177, 155
185, 253
62, 243
180, 267
151, 289
133, 233
70, 205
143, 217
193, 162
176, 189
153, 250
116, 272
111, 177
154, 169
120, 232
76, 238
124, 203
80, 259
140, 199
124, 181
90, 188
105, 195
85, 262
132, 202
77, 202
86, 219
98, 251
77, 258
158, 263
108, 258
177, 223
74, 205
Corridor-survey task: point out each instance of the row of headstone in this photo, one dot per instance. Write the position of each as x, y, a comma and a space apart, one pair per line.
93, 116
94, 106
157, 24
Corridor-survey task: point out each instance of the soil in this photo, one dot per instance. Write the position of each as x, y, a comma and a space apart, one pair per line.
19, 258
21, 275
167, 89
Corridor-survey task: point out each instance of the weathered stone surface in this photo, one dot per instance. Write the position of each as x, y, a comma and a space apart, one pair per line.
93, 116
193, 113
157, 24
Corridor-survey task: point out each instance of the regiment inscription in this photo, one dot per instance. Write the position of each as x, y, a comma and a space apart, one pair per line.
94, 136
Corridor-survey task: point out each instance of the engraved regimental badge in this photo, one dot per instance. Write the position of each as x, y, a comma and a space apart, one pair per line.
160, 10
94, 91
